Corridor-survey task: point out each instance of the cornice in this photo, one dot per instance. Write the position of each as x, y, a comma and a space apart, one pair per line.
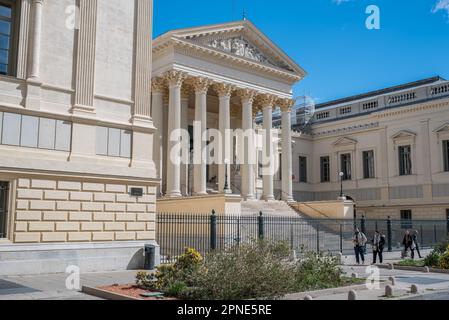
406, 110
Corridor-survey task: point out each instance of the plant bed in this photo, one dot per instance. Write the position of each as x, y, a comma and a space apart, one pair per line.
123, 292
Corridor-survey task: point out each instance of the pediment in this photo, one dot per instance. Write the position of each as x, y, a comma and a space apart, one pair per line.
403, 134
443, 128
345, 141
240, 39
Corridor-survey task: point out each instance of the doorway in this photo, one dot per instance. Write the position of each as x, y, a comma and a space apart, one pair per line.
4, 187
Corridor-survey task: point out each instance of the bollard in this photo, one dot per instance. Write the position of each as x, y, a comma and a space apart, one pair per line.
426, 270
339, 258
414, 289
352, 295
392, 280
391, 266
354, 276
308, 298
389, 291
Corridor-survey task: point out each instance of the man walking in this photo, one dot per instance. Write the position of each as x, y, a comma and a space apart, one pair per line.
359, 241
416, 243
378, 246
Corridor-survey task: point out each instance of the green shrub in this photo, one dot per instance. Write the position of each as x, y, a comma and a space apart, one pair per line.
442, 247
245, 272
433, 259
444, 260
317, 271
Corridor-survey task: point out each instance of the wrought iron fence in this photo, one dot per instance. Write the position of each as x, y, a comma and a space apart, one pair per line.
206, 232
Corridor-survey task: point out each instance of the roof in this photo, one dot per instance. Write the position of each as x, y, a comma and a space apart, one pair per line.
381, 92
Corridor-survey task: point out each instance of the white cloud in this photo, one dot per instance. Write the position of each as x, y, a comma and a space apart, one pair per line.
441, 5
339, 2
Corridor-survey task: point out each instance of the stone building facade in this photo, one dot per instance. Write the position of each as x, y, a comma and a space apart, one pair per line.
391, 145
76, 134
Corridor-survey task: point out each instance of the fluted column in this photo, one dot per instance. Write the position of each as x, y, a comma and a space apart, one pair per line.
36, 40
287, 188
185, 94
175, 80
85, 61
143, 60
224, 168
201, 86
249, 149
157, 113
267, 103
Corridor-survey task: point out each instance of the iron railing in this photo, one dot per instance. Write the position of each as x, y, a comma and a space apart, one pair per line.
207, 232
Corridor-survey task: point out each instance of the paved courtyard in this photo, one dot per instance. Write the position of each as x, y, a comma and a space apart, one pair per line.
53, 286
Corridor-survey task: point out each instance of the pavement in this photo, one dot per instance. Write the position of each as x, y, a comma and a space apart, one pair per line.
53, 286
432, 286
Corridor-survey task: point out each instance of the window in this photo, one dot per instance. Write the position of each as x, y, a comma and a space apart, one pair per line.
113, 142
7, 36
368, 164
346, 166
405, 160
406, 219
322, 115
303, 169
446, 155
34, 132
325, 169
370, 105
3, 208
345, 110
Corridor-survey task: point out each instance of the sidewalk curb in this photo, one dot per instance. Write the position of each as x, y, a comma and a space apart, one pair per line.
412, 268
301, 295
103, 294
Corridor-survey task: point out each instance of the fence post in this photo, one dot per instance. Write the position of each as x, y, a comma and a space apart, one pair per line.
389, 235
341, 238
261, 226
213, 231
363, 225
318, 238
447, 224
435, 238
421, 235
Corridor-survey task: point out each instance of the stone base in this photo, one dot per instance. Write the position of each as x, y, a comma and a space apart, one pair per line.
36, 259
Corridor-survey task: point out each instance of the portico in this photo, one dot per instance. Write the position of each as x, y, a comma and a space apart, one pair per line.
220, 77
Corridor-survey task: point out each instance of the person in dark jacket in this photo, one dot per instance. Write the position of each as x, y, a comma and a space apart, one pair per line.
416, 243
378, 243
407, 242
359, 240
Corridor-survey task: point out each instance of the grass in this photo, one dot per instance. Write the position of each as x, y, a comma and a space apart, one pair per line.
411, 263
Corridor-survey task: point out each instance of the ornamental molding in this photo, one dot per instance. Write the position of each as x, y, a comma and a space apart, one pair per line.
404, 134
224, 90
265, 101
344, 141
200, 85
247, 95
406, 110
346, 130
158, 85
175, 78
443, 129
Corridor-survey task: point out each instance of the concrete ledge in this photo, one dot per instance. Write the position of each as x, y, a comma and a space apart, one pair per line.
107, 295
414, 268
301, 295
36, 259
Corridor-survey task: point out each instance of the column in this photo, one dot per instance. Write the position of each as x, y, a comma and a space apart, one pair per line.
143, 61
249, 149
201, 86
36, 41
157, 113
287, 188
85, 60
34, 83
185, 94
224, 168
175, 80
267, 103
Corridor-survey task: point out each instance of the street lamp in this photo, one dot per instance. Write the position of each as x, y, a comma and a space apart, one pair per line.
341, 174
226, 185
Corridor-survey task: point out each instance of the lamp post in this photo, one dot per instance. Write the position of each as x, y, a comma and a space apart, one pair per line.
341, 174
226, 185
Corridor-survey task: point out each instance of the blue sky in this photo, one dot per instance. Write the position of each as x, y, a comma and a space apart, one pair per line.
329, 39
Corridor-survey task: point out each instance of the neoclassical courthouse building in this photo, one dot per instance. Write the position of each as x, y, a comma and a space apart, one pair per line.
87, 102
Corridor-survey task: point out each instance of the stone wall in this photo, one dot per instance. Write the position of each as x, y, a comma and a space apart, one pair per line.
54, 210
427, 212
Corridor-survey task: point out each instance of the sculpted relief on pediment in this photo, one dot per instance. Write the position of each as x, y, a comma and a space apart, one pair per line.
242, 48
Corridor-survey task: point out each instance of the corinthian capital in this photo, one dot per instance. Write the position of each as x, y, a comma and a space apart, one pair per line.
247, 95
175, 78
266, 101
224, 90
158, 85
286, 105
200, 85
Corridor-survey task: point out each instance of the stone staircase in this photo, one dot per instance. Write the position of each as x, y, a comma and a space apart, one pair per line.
307, 232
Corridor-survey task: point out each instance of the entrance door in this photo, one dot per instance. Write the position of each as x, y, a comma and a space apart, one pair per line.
3, 208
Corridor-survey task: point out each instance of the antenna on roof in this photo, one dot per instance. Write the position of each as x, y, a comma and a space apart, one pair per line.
244, 15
